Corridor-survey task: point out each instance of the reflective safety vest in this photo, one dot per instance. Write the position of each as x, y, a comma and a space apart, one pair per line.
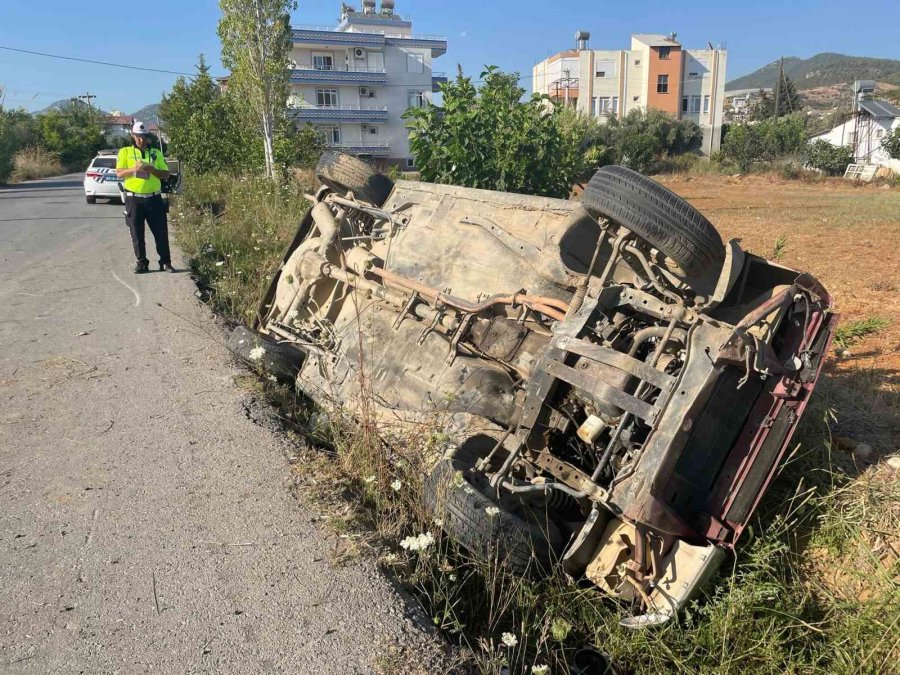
129, 156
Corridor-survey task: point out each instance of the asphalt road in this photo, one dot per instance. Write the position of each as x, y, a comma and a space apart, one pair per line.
146, 523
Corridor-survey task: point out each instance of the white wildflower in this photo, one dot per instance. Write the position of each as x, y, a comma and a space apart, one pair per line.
220, 263
468, 490
257, 353
492, 511
509, 639
451, 577
369, 479
418, 543
391, 558
396, 485
540, 670
439, 522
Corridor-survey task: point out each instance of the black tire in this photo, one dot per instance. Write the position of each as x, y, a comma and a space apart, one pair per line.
459, 501
90, 200
343, 173
657, 215
281, 360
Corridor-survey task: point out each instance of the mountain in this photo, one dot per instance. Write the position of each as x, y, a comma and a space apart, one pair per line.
147, 114
822, 70
63, 103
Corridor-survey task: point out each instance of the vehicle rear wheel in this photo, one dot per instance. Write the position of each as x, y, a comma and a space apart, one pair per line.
344, 173
281, 360
463, 502
657, 215
90, 200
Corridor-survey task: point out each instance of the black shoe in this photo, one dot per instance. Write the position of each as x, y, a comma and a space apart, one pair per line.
141, 268
166, 267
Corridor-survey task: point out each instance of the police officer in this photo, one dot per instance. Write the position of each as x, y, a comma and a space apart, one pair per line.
143, 168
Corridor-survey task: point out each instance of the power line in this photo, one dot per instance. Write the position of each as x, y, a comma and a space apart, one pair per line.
99, 63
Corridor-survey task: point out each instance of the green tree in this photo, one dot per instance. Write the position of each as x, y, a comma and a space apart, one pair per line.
204, 126
73, 132
18, 130
891, 143
256, 43
490, 138
830, 159
789, 102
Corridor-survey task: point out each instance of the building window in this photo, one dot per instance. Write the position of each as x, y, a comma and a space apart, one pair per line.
879, 133
615, 105
601, 73
637, 62
416, 99
662, 84
706, 104
332, 134
694, 74
414, 63
327, 98
684, 104
410, 163
323, 62
664, 52
369, 129
594, 109
695, 104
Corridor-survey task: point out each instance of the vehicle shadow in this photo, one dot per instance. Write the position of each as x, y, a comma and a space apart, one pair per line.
44, 184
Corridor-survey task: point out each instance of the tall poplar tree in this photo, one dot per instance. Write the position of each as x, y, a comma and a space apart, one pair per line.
256, 44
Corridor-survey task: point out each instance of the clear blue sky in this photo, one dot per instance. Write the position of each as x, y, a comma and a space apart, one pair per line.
169, 34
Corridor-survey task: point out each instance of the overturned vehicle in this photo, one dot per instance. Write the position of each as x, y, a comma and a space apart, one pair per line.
617, 383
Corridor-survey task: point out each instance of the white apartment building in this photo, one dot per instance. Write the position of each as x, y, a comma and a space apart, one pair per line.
354, 81
655, 73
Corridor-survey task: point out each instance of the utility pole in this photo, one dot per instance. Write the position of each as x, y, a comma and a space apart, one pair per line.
89, 97
566, 73
778, 88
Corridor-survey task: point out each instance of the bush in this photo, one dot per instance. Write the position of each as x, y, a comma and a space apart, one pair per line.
643, 139
891, 143
18, 129
745, 144
830, 159
74, 133
36, 162
489, 138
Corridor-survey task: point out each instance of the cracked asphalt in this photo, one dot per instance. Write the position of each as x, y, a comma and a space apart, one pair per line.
146, 523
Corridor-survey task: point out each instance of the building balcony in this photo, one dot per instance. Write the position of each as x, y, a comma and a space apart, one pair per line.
363, 148
438, 79
335, 37
340, 113
308, 74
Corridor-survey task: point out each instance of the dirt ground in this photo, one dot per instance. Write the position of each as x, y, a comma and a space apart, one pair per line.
846, 235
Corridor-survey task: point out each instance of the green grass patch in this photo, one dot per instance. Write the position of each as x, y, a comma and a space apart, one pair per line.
850, 333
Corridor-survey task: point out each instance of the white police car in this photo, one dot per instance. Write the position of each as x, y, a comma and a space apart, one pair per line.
100, 179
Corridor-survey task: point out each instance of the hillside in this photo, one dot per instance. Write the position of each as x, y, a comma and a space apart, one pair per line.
63, 103
147, 114
822, 70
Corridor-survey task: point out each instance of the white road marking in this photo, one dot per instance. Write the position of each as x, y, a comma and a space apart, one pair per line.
137, 296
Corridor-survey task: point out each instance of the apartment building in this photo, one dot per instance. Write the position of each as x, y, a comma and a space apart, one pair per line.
656, 72
355, 80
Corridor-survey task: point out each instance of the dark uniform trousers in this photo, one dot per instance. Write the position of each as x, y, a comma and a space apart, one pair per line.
152, 210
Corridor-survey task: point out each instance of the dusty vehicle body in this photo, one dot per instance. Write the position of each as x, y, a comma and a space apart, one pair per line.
625, 407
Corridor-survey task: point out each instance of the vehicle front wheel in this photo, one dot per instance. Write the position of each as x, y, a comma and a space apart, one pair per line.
90, 200
462, 501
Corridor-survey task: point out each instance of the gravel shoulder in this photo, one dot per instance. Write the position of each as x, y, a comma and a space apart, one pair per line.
147, 522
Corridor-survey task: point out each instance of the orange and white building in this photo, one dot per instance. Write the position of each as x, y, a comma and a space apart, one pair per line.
655, 73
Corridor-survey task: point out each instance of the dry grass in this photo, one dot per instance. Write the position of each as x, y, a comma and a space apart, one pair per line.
847, 235
35, 162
